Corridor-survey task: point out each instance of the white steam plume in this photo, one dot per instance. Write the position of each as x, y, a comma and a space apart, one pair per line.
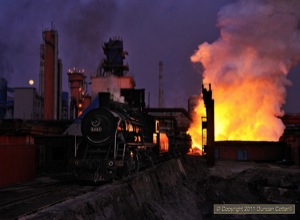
248, 66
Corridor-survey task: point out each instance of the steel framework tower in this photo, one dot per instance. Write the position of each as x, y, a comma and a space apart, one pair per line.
113, 64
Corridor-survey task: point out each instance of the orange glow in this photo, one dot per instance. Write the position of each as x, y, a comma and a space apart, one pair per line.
247, 67
154, 138
195, 131
248, 96
163, 142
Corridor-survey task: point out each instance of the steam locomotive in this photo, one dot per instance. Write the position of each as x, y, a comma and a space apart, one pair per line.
120, 139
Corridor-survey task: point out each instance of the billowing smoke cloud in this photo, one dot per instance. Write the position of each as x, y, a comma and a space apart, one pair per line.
82, 26
248, 66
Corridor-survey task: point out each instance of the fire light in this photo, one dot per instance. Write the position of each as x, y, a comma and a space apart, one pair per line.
247, 68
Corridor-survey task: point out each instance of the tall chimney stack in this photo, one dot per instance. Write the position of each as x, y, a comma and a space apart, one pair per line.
50, 87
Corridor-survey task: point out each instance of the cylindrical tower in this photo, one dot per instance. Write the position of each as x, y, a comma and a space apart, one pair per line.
49, 71
50, 75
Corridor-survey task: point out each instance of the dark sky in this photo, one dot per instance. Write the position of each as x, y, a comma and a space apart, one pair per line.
152, 31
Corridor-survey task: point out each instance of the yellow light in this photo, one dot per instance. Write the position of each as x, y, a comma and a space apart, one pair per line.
31, 82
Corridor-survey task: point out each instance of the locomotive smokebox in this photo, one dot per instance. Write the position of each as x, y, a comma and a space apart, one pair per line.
104, 99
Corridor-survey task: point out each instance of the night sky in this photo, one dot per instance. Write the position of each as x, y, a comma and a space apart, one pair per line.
152, 31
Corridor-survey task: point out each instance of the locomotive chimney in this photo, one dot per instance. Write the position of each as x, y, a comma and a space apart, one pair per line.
104, 99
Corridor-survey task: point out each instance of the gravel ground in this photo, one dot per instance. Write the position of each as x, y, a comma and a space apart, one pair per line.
230, 182
186, 189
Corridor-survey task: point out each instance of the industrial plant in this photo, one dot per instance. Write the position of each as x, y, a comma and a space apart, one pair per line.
31, 115
103, 130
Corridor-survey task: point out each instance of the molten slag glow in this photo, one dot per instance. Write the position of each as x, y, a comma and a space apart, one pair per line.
247, 68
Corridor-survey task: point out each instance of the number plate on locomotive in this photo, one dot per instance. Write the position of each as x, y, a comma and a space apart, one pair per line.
96, 129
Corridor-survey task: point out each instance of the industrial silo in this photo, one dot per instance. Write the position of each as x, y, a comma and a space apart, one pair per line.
3, 97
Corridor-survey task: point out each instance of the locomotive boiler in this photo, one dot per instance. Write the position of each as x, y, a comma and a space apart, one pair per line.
120, 139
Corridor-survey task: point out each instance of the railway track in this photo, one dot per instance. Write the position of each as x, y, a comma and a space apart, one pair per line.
19, 201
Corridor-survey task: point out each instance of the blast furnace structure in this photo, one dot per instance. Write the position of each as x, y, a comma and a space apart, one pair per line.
112, 74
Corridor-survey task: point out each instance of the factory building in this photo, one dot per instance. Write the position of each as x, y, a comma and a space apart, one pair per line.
50, 75
259, 151
28, 105
171, 117
286, 150
111, 84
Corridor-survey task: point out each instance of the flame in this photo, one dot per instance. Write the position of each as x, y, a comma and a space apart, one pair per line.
195, 130
247, 68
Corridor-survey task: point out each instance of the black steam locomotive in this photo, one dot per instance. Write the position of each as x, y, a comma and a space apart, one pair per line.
120, 139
